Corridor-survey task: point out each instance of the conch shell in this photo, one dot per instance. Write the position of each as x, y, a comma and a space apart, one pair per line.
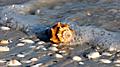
61, 33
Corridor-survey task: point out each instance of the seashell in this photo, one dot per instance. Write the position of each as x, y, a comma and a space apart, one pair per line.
14, 63
81, 63
44, 48
20, 55
93, 55
26, 61
41, 46
112, 49
34, 59
117, 61
27, 41
61, 33
54, 45
5, 48
37, 65
2, 61
77, 58
53, 48
37, 12
4, 42
20, 44
88, 13
117, 65
105, 61
106, 54
58, 56
41, 42
32, 47
4, 28
62, 51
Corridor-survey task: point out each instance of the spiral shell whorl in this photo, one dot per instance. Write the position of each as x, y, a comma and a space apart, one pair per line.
61, 33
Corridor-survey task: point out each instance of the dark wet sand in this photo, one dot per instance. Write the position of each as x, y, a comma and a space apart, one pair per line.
9, 2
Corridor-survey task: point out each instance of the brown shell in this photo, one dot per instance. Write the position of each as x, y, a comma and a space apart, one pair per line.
3, 42
61, 33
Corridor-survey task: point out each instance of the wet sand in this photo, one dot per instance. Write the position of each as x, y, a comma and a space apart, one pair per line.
100, 13
9, 2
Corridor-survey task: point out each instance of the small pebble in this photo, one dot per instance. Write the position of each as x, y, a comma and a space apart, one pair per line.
37, 12
22, 6
97, 48
13, 6
93, 55
44, 48
116, 61
57, 7
58, 56
71, 48
14, 63
4, 42
4, 28
105, 61
27, 41
20, 44
77, 58
106, 54
53, 49
117, 65
34, 59
88, 13
32, 47
20, 55
113, 10
112, 49
82, 63
4, 48
41, 46
5, 18
54, 45
41, 42
10, 41
2, 61
37, 65
50, 54
63, 51
118, 55
26, 61
22, 38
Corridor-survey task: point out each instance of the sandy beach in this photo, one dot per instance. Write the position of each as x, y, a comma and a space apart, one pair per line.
20, 20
